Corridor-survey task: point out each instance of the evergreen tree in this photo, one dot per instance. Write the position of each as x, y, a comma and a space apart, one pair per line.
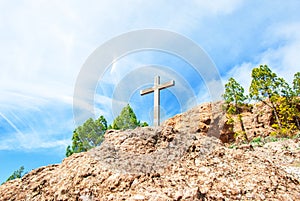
127, 120
233, 96
296, 99
286, 108
286, 105
143, 124
278, 95
296, 84
16, 174
266, 87
274, 92
77, 145
288, 113
87, 136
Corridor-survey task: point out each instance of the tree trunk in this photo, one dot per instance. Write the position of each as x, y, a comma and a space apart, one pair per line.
243, 127
272, 106
297, 123
276, 115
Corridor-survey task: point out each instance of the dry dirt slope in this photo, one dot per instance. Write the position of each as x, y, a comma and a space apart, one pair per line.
177, 161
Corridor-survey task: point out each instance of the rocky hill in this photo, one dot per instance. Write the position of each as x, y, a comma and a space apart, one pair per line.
185, 159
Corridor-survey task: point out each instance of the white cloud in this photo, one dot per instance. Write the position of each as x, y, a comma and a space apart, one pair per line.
282, 56
218, 6
41, 40
242, 74
39, 46
32, 141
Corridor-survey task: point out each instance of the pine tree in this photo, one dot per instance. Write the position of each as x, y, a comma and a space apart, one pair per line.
276, 93
77, 145
233, 96
296, 84
16, 174
286, 105
296, 99
127, 120
87, 136
265, 86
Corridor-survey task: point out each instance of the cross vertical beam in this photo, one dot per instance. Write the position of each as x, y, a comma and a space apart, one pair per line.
156, 114
156, 89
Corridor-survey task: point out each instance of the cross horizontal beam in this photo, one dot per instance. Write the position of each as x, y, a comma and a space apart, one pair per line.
160, 87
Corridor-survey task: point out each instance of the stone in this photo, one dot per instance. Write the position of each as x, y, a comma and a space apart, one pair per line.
138, 197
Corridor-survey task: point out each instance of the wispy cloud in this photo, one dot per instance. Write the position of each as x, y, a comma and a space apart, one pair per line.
11, 124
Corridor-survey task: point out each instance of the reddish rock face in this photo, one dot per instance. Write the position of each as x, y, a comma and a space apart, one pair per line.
181, 160
211, 120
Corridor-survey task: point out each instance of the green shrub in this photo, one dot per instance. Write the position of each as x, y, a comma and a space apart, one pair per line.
296, 136
233, 146
256, 140
271, 139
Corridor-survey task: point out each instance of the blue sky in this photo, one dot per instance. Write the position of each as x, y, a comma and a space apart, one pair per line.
44, 45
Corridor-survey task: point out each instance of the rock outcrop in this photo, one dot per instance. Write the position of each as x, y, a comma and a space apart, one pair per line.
180, 160
211, 120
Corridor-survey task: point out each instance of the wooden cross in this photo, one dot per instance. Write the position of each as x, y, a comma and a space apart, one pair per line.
156, 89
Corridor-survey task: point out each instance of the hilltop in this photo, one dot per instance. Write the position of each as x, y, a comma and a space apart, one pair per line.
189, 157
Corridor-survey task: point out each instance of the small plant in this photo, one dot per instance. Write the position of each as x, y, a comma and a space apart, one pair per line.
296, 136
233, 146
241, 135
283, 138
230, 120
256, 140
273, 134
271, 139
